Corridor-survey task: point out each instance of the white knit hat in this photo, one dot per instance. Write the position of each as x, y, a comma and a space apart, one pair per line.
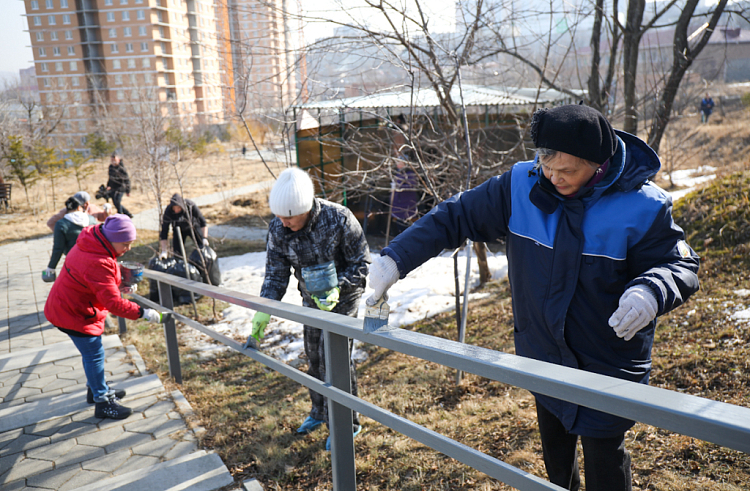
292, 194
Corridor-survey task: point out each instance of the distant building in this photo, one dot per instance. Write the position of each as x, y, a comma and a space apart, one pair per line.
262, 52
97, 56
28, 87
726, 57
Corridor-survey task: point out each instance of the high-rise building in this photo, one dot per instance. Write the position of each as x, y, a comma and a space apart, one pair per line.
262, 49
105, 59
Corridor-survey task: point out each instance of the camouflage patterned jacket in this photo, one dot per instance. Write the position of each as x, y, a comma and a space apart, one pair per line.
332, 233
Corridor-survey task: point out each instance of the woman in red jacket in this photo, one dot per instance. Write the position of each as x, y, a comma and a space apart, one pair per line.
86, 290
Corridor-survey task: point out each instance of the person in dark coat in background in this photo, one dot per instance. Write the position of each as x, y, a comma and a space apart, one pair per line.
707, 107
309, 232
86, 291
118, 183
594, 257
183, 214
66, 233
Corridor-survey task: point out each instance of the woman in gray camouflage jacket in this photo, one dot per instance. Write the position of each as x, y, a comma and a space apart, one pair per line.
309, 232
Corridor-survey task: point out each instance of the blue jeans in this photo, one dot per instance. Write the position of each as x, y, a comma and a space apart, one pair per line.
92, 353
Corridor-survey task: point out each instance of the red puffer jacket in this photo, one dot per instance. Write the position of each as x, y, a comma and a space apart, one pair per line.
87, 287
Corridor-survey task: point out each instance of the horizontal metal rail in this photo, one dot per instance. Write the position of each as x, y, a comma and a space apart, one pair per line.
713, 421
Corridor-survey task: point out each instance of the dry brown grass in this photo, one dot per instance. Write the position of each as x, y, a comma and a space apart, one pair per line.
215, 173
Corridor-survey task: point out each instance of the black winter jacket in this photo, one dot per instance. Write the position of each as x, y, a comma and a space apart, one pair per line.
190, 215
119, 180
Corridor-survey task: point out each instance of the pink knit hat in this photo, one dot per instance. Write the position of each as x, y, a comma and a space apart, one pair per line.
119, 228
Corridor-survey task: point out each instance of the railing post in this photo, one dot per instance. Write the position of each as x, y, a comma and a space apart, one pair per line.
170, 333
340, 418
121, 324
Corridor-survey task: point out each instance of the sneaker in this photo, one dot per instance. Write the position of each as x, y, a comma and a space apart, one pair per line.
119, 393
112, 409
357, 429
309, 425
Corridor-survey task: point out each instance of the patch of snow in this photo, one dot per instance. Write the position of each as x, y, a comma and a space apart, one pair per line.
742, 292
742, 315
690, 178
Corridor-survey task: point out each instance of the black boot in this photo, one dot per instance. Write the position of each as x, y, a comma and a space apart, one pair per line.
119, 393
112, 409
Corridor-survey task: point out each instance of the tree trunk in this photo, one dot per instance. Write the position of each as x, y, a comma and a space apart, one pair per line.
484, 269
683, 57
595, 96
631, 40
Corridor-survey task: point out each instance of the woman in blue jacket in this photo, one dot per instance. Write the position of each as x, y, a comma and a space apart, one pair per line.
594, 257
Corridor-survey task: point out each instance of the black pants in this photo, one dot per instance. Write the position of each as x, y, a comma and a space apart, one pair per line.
607, 461
117, 201
316, 358
186, 234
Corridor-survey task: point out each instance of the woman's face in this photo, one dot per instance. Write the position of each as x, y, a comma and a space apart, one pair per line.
122, 247
295, 223
567, 173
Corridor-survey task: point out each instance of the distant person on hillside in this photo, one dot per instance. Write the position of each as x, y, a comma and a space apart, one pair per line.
308, 234
594, 257
86, 291
66, 233
707, 107
244, 151
182, 214
88, 207
118, 183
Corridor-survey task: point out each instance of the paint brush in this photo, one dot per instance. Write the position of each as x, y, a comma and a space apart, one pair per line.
376, 315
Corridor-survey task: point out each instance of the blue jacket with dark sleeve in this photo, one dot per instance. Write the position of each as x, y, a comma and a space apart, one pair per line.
569, 261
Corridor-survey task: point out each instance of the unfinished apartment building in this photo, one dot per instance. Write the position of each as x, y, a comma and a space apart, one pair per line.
104, 61
263, 55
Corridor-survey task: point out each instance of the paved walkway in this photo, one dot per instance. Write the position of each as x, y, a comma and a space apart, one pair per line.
49, 437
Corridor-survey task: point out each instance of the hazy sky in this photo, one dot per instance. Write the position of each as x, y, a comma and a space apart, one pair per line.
15, 51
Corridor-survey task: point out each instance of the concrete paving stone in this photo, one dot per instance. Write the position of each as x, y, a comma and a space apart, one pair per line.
143, 403
181, 449
161, 407
11, 403
101, 438
24, 345
123, 368
128, 440
23, 467
52, 369
54, 479
39, 382
73, 373
137, 462
72, 430
78, 387
73, 362
13, 377
10, 435
16, 392
53, 451
58, 384
107, 463
19, 485
47, 428
79, 453
44, 395
81, 479
25, 320
23, 443
156, 448
158, 426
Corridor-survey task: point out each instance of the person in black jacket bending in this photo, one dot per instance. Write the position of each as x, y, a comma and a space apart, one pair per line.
185, 215
118, 183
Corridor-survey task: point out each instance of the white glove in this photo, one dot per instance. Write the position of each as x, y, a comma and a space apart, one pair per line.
152, 315
163, 255
383, 274
109, 209
637, 309
205, 242
49, 271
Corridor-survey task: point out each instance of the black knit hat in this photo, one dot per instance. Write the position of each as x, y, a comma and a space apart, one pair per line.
574, 129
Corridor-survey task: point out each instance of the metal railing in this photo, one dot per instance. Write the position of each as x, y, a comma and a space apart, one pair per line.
712, 421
